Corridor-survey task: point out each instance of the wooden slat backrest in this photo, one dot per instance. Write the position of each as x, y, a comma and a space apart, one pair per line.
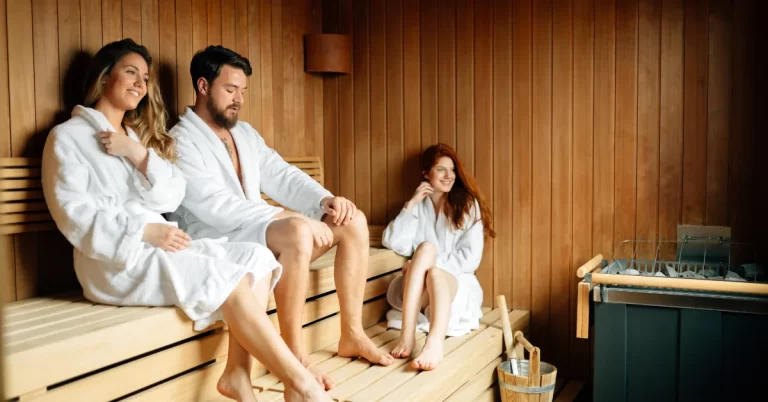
23, 208
310, 165
22, 205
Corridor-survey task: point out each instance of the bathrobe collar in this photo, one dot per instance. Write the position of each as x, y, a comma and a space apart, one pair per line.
99, 122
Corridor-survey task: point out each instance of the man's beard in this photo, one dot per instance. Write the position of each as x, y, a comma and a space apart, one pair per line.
220, 117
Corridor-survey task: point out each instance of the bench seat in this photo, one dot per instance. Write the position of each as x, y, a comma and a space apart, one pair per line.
67, 348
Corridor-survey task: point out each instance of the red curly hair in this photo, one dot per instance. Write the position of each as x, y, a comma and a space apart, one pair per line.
464, 192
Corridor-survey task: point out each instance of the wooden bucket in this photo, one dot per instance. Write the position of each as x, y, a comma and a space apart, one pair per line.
526, 380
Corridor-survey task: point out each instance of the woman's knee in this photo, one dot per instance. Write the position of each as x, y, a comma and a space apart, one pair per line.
426, 249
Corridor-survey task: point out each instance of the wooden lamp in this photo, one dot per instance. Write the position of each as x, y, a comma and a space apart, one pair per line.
328, 53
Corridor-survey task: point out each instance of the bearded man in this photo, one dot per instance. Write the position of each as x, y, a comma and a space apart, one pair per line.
227, 165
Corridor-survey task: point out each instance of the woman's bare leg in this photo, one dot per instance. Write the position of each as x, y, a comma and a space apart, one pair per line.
254, 332
413, 287
441, 287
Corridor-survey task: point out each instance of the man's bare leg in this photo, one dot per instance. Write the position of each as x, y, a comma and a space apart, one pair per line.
350, 269
441, 287
413, 288
290, 239
252, 329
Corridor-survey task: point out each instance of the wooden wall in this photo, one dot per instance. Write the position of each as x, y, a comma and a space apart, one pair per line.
586, 122
46, 44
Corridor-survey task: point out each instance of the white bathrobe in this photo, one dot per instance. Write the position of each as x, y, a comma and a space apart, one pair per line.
458, 253
216, 203
101, 203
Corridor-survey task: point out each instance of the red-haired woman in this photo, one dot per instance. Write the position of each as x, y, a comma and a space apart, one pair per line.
442, 228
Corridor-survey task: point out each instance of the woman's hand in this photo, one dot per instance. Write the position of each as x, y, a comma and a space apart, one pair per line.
422, 191
121, 145
166, 237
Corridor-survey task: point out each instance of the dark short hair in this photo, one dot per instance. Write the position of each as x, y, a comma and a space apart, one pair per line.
207, 63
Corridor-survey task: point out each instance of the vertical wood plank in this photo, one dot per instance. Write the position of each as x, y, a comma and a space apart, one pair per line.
229, 21
346, 122
267, 89
429, 90
307, 81
465, 72
379, 127
150, 29
72, 63
502, 148
695, 112
245, 18
394, 56
7, 252
605, 110
285, 143
199, 25
446, 72
278, 107
671, 122
743, 126
563, 277
648, 125
214, 22
21, 77
167, 57
317, 86
521, 154
112, 20
361, 84
90, 25
5, 120
330, 104
625, 156
718, 111
132, 21
583, 128
484, 135
46, 48
541, 163
411, 98
27, 266
184, 53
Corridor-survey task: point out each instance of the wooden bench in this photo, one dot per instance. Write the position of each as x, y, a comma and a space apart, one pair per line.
66, 348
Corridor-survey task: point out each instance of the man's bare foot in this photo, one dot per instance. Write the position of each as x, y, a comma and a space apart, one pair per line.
429, 356
305, 392
320, 377
236, 384
404, 347
357, 344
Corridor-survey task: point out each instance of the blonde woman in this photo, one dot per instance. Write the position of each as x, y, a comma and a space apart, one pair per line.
108, 177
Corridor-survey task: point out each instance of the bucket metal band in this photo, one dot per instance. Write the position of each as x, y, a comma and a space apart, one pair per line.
527, 390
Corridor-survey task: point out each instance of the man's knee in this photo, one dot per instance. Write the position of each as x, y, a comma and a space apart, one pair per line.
294, 234
355, 230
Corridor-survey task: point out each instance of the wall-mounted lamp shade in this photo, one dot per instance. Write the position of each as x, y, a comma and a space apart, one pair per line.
328, 53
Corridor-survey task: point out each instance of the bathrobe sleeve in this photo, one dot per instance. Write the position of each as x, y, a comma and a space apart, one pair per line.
399, 234
287, 184
209, 199
466, 256
107, 234
163, 188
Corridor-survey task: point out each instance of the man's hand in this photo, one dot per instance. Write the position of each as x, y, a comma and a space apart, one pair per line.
340, 209
321, 233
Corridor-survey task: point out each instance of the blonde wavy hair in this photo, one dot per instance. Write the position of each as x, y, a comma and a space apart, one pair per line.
149, 118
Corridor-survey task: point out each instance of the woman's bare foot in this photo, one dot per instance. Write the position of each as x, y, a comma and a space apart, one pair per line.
429, 356
236, 384
404, 347
357, 344
320, 377
312, 391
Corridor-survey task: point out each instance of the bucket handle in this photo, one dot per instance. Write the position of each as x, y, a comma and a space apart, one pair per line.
534, 357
